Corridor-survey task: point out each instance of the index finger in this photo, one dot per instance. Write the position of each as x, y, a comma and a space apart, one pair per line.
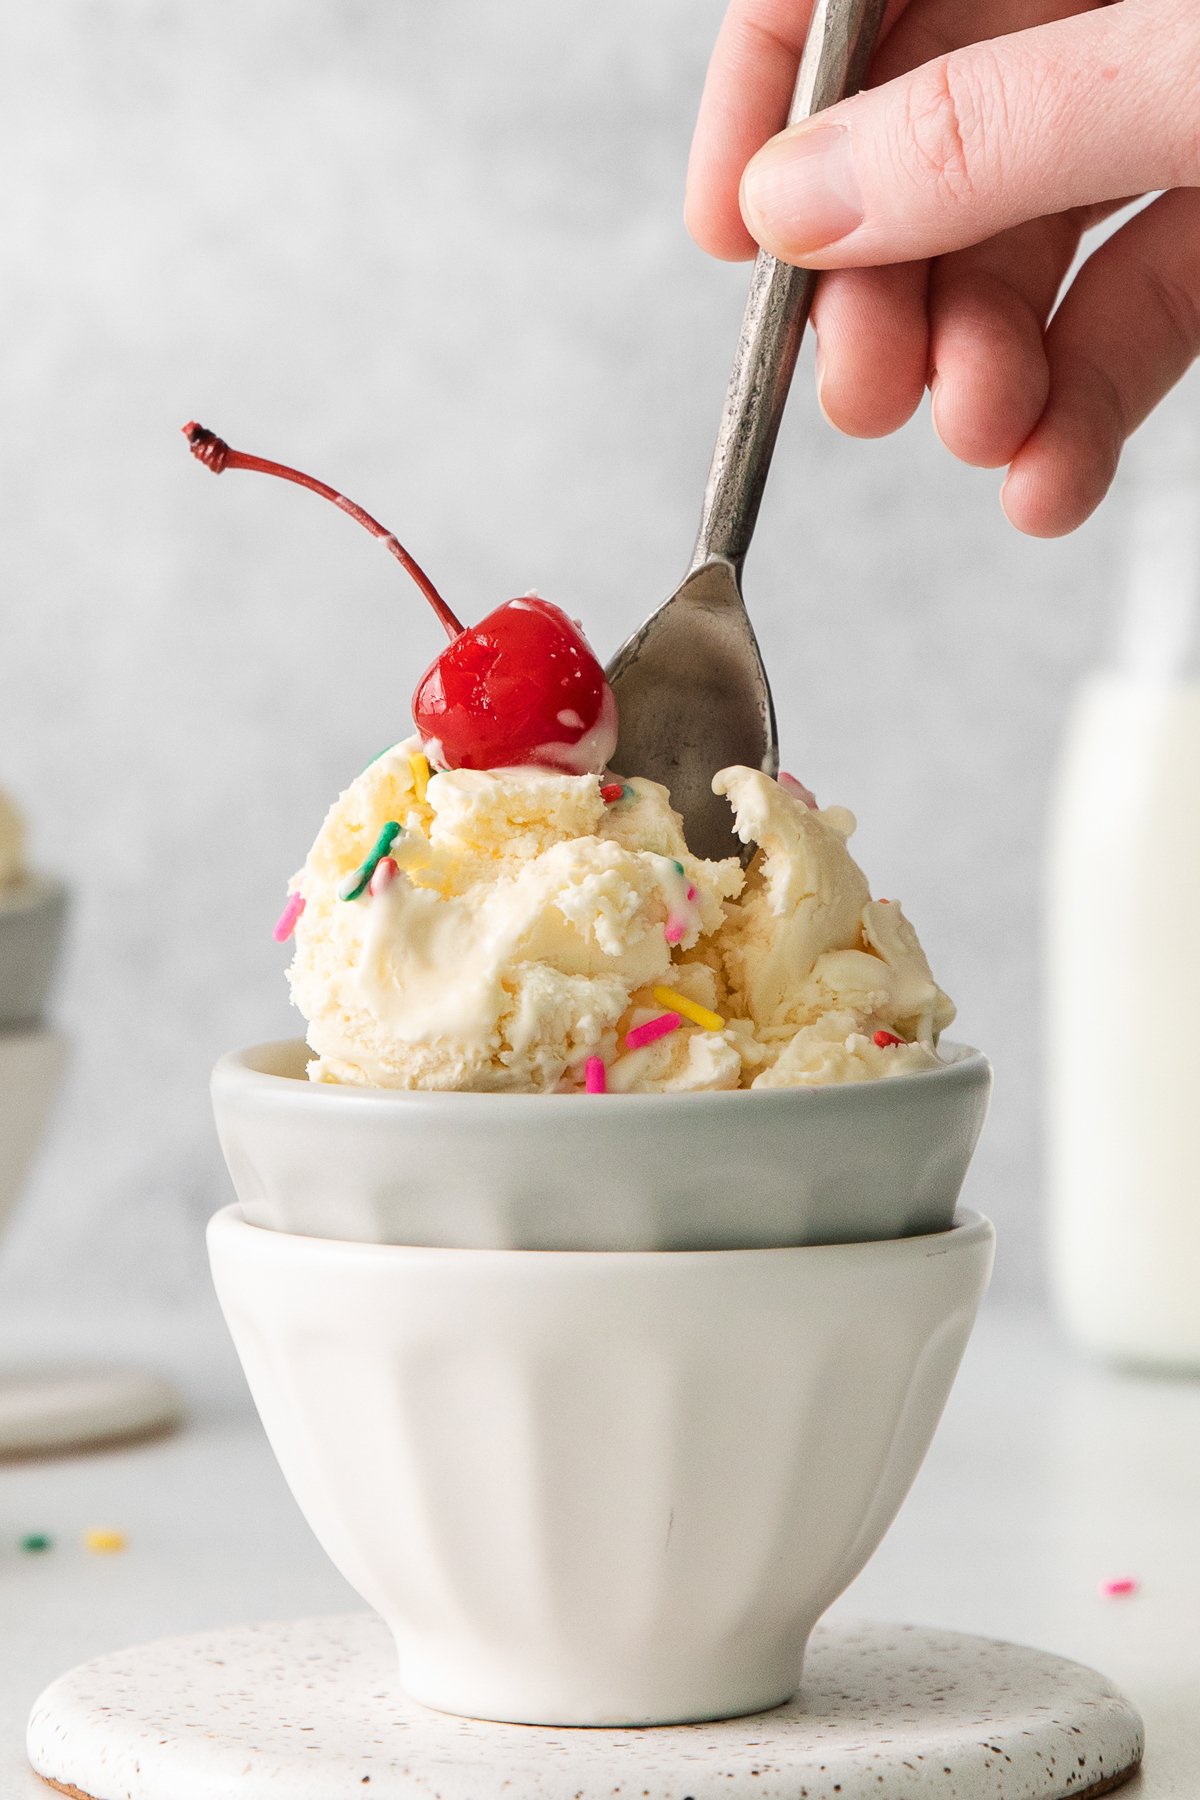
747, 95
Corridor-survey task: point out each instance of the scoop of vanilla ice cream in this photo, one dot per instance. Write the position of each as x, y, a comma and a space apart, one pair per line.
12, 844
814, 963
523, 926
523, 916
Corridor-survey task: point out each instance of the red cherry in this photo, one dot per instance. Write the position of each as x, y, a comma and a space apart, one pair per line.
522, 686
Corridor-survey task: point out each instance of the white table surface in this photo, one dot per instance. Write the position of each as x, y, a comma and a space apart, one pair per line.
1047, 1476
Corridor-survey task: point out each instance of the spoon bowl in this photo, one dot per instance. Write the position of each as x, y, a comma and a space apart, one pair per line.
694, 698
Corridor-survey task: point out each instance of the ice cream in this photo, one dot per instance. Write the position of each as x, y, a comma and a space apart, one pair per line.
487, 907
531, 930
12, 845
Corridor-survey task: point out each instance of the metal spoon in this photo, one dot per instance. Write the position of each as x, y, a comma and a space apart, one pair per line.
692, 693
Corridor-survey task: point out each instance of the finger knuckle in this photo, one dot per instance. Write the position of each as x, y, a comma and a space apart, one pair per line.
1178, 306
951, 111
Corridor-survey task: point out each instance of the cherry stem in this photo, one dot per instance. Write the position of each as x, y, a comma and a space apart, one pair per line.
216, 455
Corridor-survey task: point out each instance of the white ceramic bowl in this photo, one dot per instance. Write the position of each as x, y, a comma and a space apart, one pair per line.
32, 920
606, 1489
31, 1065
867, 1160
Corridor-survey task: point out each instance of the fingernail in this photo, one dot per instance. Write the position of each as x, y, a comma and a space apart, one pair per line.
801, 191
819, 364
934, 385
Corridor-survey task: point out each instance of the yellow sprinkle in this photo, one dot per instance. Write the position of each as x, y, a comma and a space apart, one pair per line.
690, 1009
419, 764
104, 1543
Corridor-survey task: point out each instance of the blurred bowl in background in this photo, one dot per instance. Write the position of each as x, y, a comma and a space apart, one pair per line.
32, 921
31, 1065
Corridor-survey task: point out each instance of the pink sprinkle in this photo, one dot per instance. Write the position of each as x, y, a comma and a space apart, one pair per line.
287, 919
675, 930
792, 786
386, 870
652, 1030
1123, 1584
595, 1075
691, 894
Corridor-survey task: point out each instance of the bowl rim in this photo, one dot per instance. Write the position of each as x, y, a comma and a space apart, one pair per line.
968, 1229
241, 1071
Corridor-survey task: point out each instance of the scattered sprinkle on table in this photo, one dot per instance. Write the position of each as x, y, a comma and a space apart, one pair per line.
690, 1009
1117, 1586
35, 1541
104, 1542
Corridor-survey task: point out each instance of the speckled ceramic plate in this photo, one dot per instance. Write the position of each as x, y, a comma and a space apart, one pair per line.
310, 1709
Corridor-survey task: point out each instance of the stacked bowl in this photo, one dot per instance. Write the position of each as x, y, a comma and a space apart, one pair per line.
32, 1055
600, 1401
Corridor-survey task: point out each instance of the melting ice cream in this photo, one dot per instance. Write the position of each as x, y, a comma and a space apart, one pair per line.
532, 931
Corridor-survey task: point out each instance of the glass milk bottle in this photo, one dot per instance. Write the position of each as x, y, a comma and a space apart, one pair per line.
1123, 949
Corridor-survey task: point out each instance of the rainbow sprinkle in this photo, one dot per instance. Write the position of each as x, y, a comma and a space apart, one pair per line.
419, 764
35, 1541
286, 922
356, 883
595, 1075
652, 1030
612, 791
675, 930
887, 1040
386, 871
1122, 1584
689, 1009
104, 1542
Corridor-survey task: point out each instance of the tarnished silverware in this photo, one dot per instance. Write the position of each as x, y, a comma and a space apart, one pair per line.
692, 692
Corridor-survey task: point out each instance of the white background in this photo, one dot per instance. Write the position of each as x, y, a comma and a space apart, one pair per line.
433, 252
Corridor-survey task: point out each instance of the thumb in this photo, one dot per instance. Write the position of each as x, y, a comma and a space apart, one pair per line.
1087, 109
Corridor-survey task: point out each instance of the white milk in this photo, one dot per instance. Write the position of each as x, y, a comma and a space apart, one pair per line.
1123, 974
1123, 949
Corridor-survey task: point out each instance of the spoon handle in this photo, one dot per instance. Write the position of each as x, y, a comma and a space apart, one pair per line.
840, 40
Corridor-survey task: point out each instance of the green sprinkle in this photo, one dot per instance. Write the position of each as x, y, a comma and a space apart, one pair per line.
679, 866
36, 1540
356, 884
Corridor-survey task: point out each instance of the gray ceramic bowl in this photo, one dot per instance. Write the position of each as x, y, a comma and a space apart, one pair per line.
32, 916
859, 1163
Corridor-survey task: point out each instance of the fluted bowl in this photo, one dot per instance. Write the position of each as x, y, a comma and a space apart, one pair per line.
599, 1489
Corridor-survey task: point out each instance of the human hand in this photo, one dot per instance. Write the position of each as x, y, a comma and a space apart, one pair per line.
948, 202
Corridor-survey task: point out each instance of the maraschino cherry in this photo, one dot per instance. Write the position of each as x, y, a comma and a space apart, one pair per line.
522, 686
